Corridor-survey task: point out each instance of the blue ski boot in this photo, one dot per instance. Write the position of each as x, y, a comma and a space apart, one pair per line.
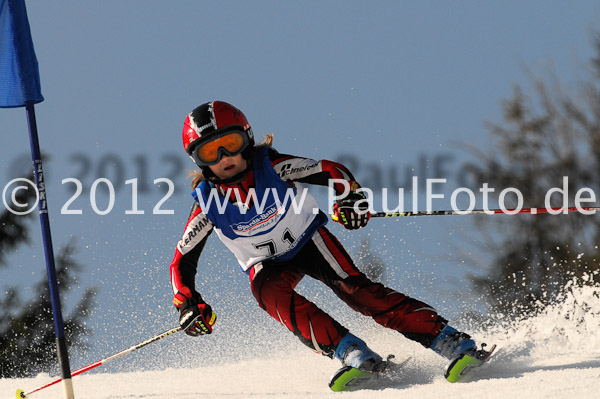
354, 352
462, 352
451, 343
360, 364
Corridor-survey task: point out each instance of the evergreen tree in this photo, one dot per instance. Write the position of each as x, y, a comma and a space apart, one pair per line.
544, 136
27, 337
13, 227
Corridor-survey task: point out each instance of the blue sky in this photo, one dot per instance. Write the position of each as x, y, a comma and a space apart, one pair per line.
393, 85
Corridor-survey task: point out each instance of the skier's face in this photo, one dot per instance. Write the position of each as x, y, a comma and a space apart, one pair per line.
229, 166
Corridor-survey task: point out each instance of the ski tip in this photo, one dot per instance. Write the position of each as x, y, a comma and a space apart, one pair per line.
20, 394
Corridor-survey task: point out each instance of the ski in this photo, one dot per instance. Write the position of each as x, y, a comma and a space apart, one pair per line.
351, 379
461, 366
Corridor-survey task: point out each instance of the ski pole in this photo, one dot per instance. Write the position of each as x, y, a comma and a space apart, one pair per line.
532, 211
22, 394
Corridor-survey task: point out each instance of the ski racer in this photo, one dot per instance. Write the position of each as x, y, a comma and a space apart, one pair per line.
277, 245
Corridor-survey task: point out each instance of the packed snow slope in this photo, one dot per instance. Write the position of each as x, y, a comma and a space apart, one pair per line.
553, 355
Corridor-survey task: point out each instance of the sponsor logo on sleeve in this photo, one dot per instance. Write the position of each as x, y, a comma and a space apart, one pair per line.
287, 169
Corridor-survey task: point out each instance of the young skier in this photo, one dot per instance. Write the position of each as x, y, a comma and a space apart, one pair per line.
277, 244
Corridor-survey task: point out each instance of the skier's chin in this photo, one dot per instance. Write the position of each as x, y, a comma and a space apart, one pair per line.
232, 173
229, 173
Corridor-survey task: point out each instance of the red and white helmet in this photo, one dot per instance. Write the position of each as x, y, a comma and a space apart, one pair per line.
212, 119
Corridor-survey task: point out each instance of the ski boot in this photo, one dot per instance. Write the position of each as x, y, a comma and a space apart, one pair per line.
451, 343
360, 364
462, 352
354, 352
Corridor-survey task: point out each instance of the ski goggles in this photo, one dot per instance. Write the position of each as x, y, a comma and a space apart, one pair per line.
229, 143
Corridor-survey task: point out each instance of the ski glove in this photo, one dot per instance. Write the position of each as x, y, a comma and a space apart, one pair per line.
345, 211
196, 317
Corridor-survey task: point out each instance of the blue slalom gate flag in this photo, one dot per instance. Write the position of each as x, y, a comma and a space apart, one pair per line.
19, 74
20, 87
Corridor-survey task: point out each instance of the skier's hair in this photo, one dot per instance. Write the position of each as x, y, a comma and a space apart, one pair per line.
198, 177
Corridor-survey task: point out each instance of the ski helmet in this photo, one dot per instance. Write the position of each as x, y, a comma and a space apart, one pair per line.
212, 120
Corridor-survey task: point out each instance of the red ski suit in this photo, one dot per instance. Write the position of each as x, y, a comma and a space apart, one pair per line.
322, 258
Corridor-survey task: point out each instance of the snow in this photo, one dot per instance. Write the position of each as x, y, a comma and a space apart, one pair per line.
553, 355
288, 378
298, 376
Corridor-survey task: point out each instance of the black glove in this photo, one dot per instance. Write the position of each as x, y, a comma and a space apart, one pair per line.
196, 317
345, 214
